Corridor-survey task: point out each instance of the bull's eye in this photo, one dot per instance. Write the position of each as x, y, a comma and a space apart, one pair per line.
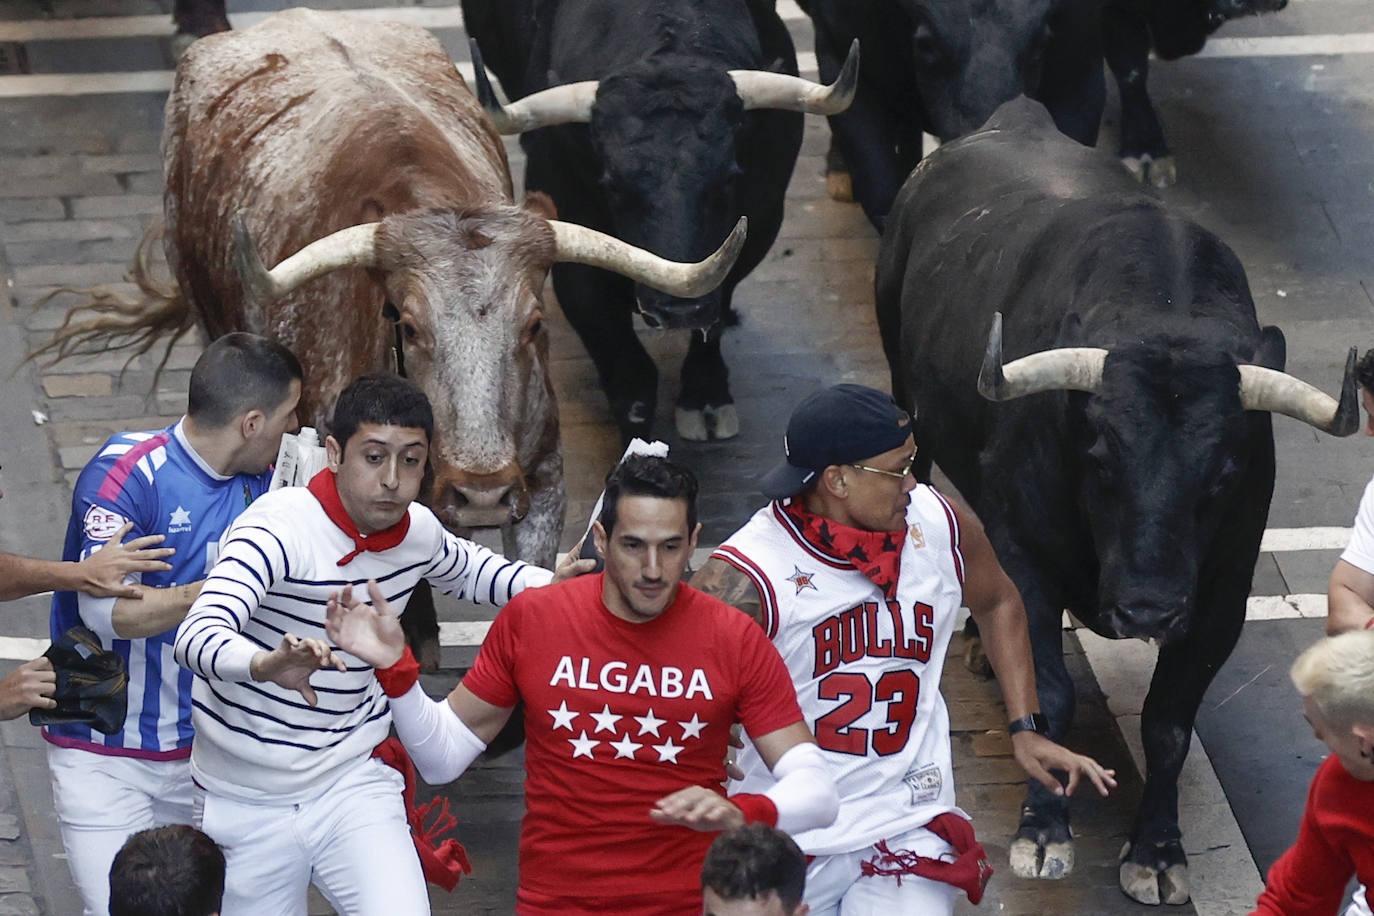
409, 331
533, 327
926, 45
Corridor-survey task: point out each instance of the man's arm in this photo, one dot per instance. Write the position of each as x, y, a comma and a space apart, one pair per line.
996, 607
210, 641
475, 573
722, 581
1349, 598
100, 575
159, 610
442, 737
804, 796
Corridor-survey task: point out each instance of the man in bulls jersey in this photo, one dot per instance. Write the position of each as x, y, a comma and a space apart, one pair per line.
857, 574
630, 683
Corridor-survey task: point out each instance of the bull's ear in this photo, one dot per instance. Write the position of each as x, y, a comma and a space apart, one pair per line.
1070, 331
540, 204
1273, 350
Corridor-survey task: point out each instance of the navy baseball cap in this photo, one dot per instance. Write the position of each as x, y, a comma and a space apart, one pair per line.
837, 425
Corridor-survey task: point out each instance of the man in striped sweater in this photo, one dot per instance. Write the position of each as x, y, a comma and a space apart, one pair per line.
290, 789
187, 482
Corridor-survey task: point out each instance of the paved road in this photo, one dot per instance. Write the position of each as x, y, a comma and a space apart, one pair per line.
1275, 155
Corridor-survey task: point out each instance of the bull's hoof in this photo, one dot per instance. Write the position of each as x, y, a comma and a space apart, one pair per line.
839, 186
427, 654
1164, 173
1029, 859
1146, 169
709, 423
975, 659
1150, 885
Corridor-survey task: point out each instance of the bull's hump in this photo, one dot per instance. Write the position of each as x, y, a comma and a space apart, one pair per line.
330, 55
302, 85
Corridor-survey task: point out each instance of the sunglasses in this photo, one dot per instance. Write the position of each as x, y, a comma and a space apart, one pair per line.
899, 475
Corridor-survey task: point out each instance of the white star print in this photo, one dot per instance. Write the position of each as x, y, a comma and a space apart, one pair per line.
563, 716
582, 746
625, 747
649, 724
180, 517
605, 720
667, 751
693, 729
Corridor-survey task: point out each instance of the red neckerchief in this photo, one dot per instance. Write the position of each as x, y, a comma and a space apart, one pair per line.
969, 870
327, 492
876, 554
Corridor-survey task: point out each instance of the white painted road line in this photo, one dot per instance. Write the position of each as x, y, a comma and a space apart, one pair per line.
19, 648
66, 84
111, 27
1279, 540
1290, 45
470, 633
1224, 879
58, 84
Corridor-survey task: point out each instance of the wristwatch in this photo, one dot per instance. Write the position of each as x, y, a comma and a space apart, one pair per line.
1035, 722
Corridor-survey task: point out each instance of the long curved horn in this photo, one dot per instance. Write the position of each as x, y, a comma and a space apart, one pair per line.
1279, 392
1075, 368
580, 245
355, 246
569, 104
762, 89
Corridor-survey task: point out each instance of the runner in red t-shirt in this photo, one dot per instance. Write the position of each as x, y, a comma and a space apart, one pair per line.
631, 681
1335, 677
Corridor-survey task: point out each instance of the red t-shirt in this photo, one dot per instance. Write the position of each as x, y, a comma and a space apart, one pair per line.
1335, 840
618, 715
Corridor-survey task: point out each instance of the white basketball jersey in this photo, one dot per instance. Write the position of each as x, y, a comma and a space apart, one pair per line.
867, 670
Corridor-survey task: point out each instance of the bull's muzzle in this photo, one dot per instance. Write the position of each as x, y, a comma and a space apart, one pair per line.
1166, 622
466, 500
660, 311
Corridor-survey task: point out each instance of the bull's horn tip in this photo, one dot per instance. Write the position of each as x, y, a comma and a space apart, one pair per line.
1347, 416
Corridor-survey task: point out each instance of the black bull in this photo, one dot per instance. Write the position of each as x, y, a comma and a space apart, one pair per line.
943, 66
665, 154
1136, 501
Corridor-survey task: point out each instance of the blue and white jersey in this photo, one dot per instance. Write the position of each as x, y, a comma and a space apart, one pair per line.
157, 481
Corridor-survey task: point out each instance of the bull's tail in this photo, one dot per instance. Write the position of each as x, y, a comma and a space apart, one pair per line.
114, 321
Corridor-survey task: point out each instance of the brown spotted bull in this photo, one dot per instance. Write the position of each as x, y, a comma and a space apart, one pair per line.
352, 156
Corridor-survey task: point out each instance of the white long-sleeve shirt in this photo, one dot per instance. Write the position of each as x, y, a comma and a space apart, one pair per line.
277, 566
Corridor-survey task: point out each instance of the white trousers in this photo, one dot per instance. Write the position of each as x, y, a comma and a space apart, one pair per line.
835, 885
1359, 903
352, 842
101, 800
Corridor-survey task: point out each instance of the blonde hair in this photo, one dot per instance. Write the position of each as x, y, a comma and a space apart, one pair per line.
1338, 674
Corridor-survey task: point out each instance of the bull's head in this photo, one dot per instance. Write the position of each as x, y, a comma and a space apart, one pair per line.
464, 289
970, 56
1165, 445
664, 133
1181, 27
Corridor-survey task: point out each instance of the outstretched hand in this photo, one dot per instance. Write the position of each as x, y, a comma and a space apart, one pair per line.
1037, 755
291, 664
372, 632
102, 574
